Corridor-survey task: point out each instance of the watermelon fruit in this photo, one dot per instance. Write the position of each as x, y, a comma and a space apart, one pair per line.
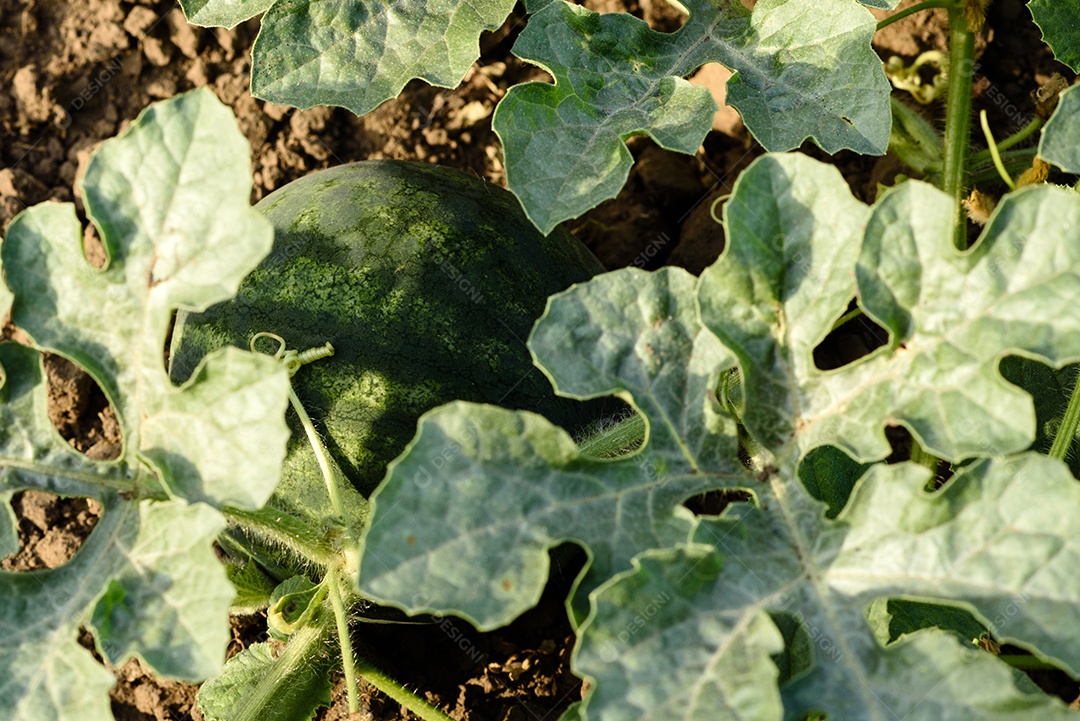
426, 280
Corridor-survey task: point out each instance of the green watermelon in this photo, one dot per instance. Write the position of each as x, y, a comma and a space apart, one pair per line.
426, 280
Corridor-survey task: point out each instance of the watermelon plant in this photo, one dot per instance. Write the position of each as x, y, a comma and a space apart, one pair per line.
424, 281
842, 586
170, 199
614, 77
388, 287
563, 143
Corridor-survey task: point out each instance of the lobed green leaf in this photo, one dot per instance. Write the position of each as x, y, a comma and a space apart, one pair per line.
262, 683
762, 612
358, 55
564, 144
783, 561
952, 316
510, 485
170, 199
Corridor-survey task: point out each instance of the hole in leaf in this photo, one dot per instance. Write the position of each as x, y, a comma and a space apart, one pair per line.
903, 445
1051, 679
51, 529
896, 617
660, 16
713, 503
533, 652
79, 410
1050, 389
829, 475
855, 336
93, 249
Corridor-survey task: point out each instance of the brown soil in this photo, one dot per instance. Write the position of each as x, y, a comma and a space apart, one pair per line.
75, 74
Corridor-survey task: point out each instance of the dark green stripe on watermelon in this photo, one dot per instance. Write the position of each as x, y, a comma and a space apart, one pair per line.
426, 280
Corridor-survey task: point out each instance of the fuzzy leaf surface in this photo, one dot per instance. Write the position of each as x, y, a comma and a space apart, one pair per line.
170, 199
260, 684
222, 13
1060, 139
508, 486
564, 143
357, 55
167, 199
704, 612
951, 316
1057, 20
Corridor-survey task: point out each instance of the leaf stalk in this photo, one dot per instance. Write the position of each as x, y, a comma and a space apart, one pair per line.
1066, 432
958, 116
341, 619
1018, 137
325, 467
403, 696
918, 7
286, 530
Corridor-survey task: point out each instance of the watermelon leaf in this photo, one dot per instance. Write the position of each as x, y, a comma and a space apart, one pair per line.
358, 55
1060, 140
480, 464
222, 13
1057, 20
761, 613
614, 77
711, 609
265, 683
564, 143
170, 200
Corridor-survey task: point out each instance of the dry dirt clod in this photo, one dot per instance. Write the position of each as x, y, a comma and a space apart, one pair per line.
182, 34
35, 104
107, 41
714, 77
156, 52
139, 21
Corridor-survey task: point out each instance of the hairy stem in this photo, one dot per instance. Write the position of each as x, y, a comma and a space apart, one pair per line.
1066, 432
403, 696
325, 466
341, 618
958, 116
918, 7
286, 530
618, 440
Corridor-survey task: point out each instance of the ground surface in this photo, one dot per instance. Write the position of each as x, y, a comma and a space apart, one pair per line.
75, 73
